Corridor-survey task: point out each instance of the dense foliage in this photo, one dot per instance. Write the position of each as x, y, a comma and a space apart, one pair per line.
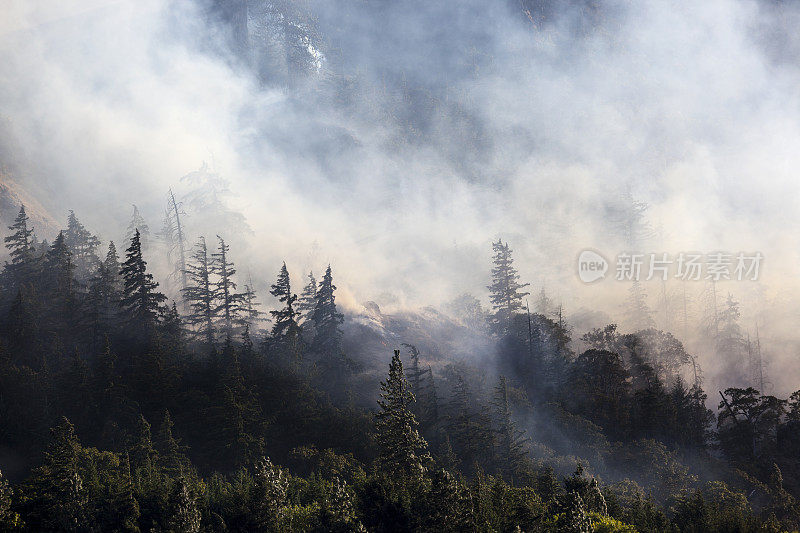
121, 411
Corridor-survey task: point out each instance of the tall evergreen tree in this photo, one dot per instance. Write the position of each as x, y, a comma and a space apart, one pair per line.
174, 234
505, 290
20, 245
510, 440
545, 305
327, 320
83, 246
56, 494
184, 513
638, 315
468, 427
140, 301
105, 294
9, 520
228, 303
285, 329
59, 270
137, 224
124, 513
308, 301
199, 293
403, 451
252, 315
64, 310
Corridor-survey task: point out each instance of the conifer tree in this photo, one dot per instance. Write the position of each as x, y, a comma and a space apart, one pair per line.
415, 375
251, 312
9, 520
510, 441
142, 452
228, 303
56, 494
199, 293
403, 451
285, 329
468, 427
637, 313
505, 289
595, 501
125, 513
59, 269
20, 245
575, 518
731, 343
172, 327
308, 301
105, 294
269, 501
82, 245
174, 235
170, 454
185, 515
137, 223
544, 304
426, 403
235, 415
64, 314
140, 301
327, 320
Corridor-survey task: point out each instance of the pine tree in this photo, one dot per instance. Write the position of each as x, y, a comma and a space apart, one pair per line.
20, 245
731, 343
170, 453
9, 520
82, 245
142, 452
140, 300
468, 427
308, 301
172, 327
269, 502
105, 295
138, 224
575, 518
425, 406
185, 514
251, 312
174, 235
595, 501
510, 441
637, 313
235, 416
64, 310
504, 291
59, 268
402, 450
199, 293
544, 304
327, 321
56, 495
125, 513
228, 302
285, 330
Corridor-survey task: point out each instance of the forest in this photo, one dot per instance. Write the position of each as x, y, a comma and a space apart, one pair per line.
124, 410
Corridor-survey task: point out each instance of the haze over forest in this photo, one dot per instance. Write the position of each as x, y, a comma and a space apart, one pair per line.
425, 174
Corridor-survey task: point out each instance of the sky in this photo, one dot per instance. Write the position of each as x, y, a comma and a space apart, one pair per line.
421, 132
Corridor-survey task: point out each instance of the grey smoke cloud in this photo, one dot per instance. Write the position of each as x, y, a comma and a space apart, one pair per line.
428, 130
